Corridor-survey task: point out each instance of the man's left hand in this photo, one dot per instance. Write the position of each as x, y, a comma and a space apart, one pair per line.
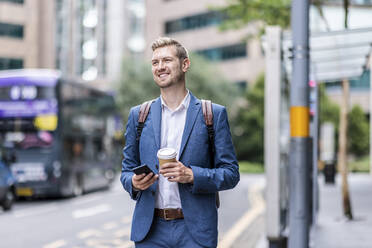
177, 172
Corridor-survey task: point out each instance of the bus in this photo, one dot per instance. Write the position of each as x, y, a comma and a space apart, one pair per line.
60, 133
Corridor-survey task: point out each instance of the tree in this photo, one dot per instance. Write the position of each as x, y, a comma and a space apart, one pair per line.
136, 84
248, 130
358, 132
329, 111
271, 12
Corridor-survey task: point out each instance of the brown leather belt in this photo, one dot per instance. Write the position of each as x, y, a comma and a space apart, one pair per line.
169, 213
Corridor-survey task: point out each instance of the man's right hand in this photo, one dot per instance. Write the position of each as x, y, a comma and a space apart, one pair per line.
143, 181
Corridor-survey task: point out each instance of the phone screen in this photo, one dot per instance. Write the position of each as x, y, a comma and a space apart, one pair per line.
142, 169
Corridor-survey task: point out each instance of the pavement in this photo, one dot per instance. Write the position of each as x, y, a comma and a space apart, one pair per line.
332, 229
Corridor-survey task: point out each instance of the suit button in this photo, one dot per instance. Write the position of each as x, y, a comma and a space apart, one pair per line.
153, 193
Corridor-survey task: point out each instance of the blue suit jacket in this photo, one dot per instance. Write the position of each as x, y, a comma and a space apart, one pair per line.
198, 199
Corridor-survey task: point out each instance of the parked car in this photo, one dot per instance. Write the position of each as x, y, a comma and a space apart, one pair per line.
7, 188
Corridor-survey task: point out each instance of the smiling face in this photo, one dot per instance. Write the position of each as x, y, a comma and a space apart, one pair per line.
167, 68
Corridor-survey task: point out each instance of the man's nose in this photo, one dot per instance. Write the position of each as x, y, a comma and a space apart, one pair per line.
161, 65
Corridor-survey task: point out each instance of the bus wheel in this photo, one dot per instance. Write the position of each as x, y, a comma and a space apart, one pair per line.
8, 200
77, 186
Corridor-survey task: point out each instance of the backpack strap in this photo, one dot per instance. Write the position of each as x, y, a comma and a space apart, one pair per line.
208, 118
142, 116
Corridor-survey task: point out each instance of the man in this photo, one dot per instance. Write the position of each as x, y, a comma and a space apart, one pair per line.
176, 207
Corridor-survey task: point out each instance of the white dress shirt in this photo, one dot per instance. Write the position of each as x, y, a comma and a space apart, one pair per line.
172, 125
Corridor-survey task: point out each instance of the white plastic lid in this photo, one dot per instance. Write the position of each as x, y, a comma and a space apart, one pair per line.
167, 153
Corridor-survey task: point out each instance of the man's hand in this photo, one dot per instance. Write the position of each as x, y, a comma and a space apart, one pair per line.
143, 181
177, 172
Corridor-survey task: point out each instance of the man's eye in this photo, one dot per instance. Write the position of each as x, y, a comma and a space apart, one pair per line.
154, 63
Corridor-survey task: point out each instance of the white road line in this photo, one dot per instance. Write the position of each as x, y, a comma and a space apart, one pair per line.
122, 233
85, 199
126, 219
88, 212
56, 244
89, 233
258, 206
35, 211
110, 225
125, 244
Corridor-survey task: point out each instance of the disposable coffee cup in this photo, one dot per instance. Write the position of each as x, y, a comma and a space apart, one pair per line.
166, 155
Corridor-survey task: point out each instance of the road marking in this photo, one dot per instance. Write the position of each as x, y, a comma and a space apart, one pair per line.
126, 219
258, 206
109, 243
110, 225
85, 199
89, 233
35, 211
122, 233
55, 244
88, 212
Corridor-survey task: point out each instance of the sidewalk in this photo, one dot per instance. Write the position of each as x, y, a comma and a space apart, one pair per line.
332, 229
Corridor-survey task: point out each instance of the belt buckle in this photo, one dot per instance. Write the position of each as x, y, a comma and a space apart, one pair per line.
165, 215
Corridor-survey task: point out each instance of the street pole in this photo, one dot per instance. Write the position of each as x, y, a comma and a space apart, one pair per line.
370, 111
299, 122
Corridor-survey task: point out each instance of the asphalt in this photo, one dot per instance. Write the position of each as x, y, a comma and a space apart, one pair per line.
332, 229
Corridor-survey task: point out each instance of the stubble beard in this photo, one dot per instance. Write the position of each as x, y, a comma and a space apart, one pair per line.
176, 80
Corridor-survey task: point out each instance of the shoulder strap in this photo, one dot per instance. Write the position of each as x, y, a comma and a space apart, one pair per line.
142, 116
208, 118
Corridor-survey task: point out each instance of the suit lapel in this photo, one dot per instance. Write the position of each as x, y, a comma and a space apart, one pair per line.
192, 113
156, 121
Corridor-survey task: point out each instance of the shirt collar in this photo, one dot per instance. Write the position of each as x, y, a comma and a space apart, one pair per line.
185, 102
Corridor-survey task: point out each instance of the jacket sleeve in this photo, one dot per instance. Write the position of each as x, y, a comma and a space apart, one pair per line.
131, 156
225, 174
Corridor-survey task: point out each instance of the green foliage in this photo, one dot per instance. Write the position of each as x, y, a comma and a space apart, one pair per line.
249, 125
358, 132
249, 167
271, 12
203, 80
329, 111
360, 165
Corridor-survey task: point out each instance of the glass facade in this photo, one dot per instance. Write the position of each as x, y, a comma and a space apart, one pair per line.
13, 1
225, 52
194, 22
11, 30
352, 2
10, 63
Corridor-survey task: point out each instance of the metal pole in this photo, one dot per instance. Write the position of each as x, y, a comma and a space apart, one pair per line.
315, 154
299, 121
370, 111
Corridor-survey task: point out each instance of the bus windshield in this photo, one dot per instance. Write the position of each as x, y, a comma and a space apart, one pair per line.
28, 102
27, 140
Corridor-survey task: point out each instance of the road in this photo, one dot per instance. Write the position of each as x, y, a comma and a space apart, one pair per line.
102, 219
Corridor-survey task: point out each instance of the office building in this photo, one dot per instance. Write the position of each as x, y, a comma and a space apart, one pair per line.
92, 37
26, 40
197, 27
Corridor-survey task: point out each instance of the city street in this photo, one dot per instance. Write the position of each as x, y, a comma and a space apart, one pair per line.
103, 218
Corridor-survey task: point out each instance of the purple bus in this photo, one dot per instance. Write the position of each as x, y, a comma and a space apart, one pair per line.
59, 134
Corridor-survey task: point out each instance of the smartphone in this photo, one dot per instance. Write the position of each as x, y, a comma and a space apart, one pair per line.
142, 169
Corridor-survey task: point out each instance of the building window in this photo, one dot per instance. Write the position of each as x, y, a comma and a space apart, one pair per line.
225, 52
194, 22
10, 63
242, 85
11, 30
13, 1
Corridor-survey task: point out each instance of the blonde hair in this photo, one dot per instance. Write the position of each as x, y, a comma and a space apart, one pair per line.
181, 51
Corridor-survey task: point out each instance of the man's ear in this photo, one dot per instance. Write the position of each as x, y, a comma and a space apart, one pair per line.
186, 64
